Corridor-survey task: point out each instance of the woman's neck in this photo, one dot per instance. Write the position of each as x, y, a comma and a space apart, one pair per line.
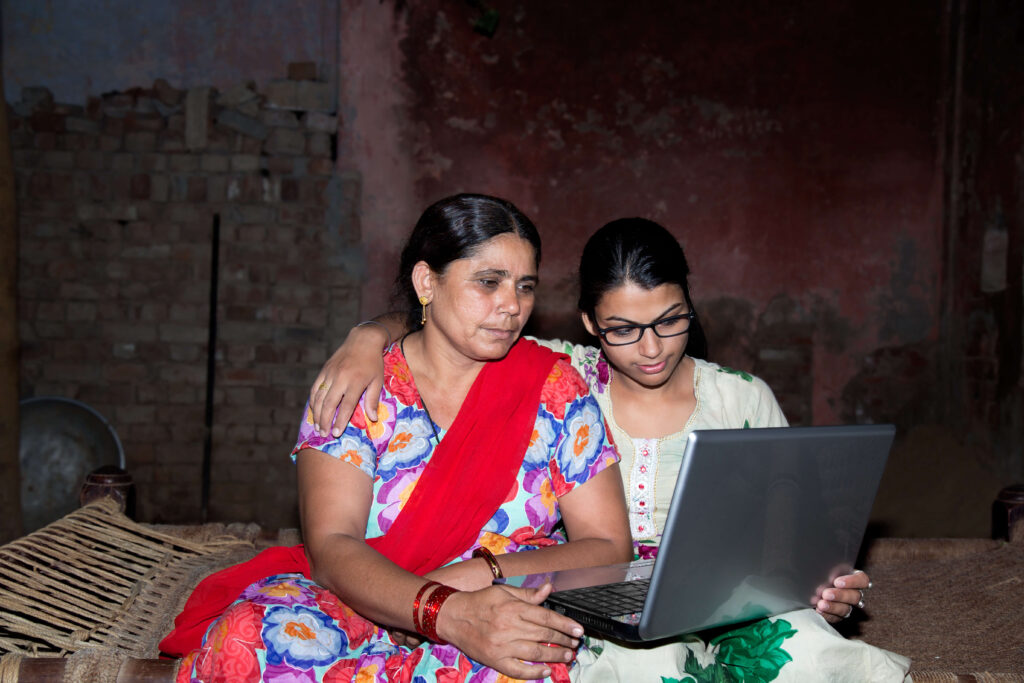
651, 412
443, 376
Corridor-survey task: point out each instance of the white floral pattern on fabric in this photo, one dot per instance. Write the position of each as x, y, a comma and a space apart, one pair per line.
641, 490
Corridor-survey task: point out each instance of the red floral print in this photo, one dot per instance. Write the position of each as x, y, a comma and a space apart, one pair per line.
563, 385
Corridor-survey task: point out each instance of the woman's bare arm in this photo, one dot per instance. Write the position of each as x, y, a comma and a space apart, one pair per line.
501, 626
353, 368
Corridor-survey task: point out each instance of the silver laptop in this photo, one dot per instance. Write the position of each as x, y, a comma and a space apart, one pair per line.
759, 520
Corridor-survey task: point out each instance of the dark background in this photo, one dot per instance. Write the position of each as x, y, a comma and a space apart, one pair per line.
846, 178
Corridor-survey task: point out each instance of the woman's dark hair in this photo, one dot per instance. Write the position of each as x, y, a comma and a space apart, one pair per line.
454, 228
642, 252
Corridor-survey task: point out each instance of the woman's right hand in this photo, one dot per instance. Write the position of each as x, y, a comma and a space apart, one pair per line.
505, 628
356, 366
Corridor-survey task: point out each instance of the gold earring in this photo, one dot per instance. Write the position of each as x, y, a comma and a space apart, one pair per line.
423, 302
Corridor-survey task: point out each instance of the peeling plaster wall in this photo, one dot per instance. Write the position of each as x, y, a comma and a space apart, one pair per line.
793, 150
800, 152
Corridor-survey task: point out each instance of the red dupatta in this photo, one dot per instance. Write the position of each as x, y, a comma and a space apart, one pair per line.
485, 444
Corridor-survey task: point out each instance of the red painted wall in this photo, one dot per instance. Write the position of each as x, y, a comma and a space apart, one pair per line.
793, 149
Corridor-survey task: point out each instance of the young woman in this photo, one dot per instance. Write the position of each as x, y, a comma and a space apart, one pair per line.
635, 298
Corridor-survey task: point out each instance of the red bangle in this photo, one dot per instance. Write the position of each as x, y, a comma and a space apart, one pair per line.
491, 561
431, 610
416, 604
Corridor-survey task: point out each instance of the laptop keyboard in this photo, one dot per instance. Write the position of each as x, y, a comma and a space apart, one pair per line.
611, 600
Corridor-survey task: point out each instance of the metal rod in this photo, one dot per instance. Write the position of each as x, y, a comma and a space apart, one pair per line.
211, 364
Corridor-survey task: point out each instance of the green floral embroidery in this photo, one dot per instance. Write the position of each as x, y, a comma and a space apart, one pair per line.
752, 654
746, 424
739, 373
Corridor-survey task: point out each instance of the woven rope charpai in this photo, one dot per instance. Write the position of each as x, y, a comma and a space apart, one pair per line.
96, 579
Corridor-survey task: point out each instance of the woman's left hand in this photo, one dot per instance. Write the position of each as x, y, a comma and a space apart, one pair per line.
837, 602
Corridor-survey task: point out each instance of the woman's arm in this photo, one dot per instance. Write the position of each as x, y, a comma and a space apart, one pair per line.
500, 626
355, 367
597, 525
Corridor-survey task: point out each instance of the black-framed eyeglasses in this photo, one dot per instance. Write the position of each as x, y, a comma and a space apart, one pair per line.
672, 326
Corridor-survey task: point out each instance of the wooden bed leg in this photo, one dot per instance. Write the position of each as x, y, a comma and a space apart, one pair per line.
41, 670
1008, 514
148, 670
52, 670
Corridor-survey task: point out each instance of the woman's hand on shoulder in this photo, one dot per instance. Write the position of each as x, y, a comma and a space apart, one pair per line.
356, 366
505, 628
837, 602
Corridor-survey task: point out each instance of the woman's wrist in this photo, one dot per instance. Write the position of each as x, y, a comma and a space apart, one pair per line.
372, 329
490, 561
436, 599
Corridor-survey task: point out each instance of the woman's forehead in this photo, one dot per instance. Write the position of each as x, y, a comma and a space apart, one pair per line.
630, 295
507, 251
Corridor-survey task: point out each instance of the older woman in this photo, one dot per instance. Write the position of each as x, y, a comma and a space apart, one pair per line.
483, 446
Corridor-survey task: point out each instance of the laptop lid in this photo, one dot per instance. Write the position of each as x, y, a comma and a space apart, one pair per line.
759, 520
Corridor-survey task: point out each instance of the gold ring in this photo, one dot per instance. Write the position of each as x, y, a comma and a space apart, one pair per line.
322, 387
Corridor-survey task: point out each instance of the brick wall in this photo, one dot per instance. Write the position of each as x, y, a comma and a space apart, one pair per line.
116, 203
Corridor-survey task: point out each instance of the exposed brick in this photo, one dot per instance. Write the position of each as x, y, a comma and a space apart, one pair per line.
247, 145
91, 160
140, 186
289, 190
283, 165
117, 105
110, 143
320, 122
277, 118
159, 185
214, 163
183, 162
187, 352
196, 189
243, 163
197, 112
243, 124
236, 95
123, 161
26, 158
153, 162
57, 159
300, 95
46, 141
221, 140
183, 334
320, 145
171, 141
165, 93
286, 141
320, 166
113, 126
76, 141
47, 122
79, 125
216, 188
79, 311
140, 141
145, 122
251, 108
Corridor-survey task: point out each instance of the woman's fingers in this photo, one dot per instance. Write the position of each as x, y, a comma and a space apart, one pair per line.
838, 601
858, 579
506, 628
836, 604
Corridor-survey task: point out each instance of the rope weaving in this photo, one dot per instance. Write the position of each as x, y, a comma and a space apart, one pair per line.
96, 579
